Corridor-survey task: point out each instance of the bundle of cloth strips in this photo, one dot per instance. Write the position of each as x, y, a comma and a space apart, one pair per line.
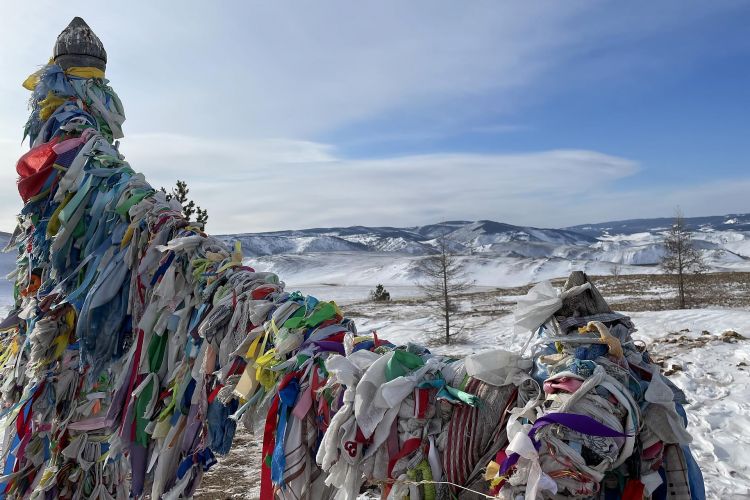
138, 343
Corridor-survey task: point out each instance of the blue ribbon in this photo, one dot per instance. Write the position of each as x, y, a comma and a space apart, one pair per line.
287, 398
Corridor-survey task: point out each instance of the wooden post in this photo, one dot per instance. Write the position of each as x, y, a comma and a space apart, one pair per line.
588, 303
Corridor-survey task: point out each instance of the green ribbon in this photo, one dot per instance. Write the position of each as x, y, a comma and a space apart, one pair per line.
136, 197
322, 312
401, 363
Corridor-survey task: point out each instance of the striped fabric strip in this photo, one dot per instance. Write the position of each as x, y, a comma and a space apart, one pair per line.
676, 469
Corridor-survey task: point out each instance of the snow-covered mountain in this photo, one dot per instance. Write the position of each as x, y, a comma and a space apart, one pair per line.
496, 254
736, 222
467, 237
634, 242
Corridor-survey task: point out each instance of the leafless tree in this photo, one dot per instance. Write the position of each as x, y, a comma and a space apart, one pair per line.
443, 278
680, 255
615, 270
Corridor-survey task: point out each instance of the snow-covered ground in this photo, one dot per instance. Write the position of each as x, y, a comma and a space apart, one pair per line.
394, 269
713, 371
501, 262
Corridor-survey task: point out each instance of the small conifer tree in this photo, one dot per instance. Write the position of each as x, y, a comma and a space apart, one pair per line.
189, 208
380, 294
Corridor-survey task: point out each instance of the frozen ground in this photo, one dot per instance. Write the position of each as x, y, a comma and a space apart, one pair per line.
711, 366
395, 269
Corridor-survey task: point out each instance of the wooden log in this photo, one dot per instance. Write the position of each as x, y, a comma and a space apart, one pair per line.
588, 303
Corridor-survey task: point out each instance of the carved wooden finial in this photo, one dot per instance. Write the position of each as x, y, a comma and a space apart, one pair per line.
79, 46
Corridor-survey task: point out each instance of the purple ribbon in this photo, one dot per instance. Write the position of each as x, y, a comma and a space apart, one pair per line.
578, 423
330, 346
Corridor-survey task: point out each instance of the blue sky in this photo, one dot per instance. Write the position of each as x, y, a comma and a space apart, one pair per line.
298, 114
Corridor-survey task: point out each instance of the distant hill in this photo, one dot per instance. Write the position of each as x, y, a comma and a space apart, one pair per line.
496, 253
465, 236
737, 222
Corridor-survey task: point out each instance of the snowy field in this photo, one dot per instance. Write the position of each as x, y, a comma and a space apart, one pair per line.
712, 367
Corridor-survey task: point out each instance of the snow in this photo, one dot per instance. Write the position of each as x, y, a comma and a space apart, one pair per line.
371, 268
496, 254
715, 374
727, 246
715, 377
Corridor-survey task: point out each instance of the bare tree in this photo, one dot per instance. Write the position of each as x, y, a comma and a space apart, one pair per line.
680, 255
615, 270
444, 276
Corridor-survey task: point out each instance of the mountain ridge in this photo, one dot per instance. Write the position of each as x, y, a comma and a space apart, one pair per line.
633, 241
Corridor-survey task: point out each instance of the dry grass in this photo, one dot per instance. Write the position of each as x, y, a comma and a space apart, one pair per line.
237, 474
656, 292
635, 292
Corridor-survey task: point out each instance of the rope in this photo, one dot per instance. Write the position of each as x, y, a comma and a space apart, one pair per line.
425, 482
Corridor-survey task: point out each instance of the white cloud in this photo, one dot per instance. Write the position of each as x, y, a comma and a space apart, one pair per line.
244, 90
269, 185
276, 184
283, 69
266, 185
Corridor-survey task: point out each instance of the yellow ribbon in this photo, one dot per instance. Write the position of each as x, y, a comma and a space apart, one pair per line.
251, 351
612, 342
60, 343
127, 236
49, 104
263, 372
9, 351
236, 258
493, 468
84, 72
53, 226
33, 79
264, 362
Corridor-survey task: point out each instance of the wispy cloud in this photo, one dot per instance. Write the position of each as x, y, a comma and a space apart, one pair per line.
265, 185
499, 128
277, 69
283, 184
257, 98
